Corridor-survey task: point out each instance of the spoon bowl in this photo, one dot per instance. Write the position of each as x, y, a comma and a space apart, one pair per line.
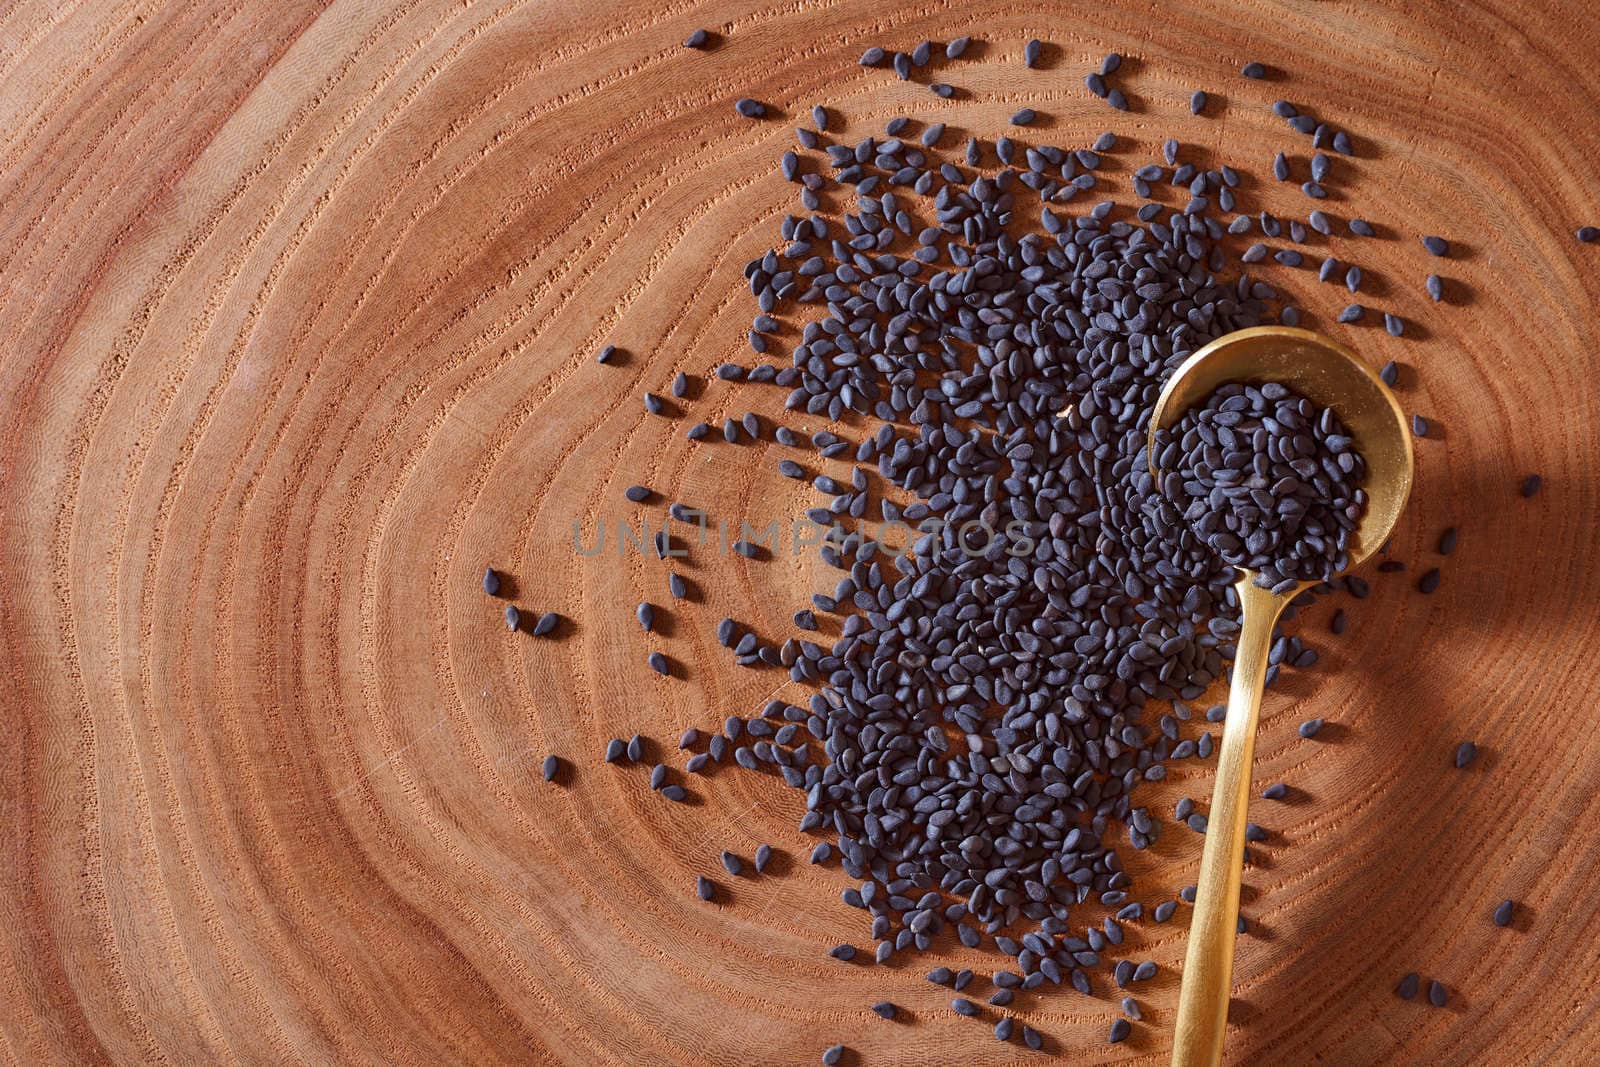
1331, 376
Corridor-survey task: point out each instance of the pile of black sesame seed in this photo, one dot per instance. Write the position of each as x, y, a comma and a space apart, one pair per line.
975, 736
1268, 479
981, 716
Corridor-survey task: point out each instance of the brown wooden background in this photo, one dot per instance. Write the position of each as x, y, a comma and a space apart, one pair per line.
298, 308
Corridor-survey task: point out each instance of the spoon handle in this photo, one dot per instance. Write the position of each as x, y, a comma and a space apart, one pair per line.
1208, 964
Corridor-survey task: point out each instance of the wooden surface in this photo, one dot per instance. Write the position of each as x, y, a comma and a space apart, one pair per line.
296, 335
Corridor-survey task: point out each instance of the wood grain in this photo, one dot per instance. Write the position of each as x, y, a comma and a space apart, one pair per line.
299, 310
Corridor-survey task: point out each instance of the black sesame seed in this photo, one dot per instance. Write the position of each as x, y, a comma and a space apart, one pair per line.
1504, 912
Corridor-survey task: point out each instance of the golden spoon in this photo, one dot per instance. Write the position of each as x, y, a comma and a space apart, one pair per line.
1331, 376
